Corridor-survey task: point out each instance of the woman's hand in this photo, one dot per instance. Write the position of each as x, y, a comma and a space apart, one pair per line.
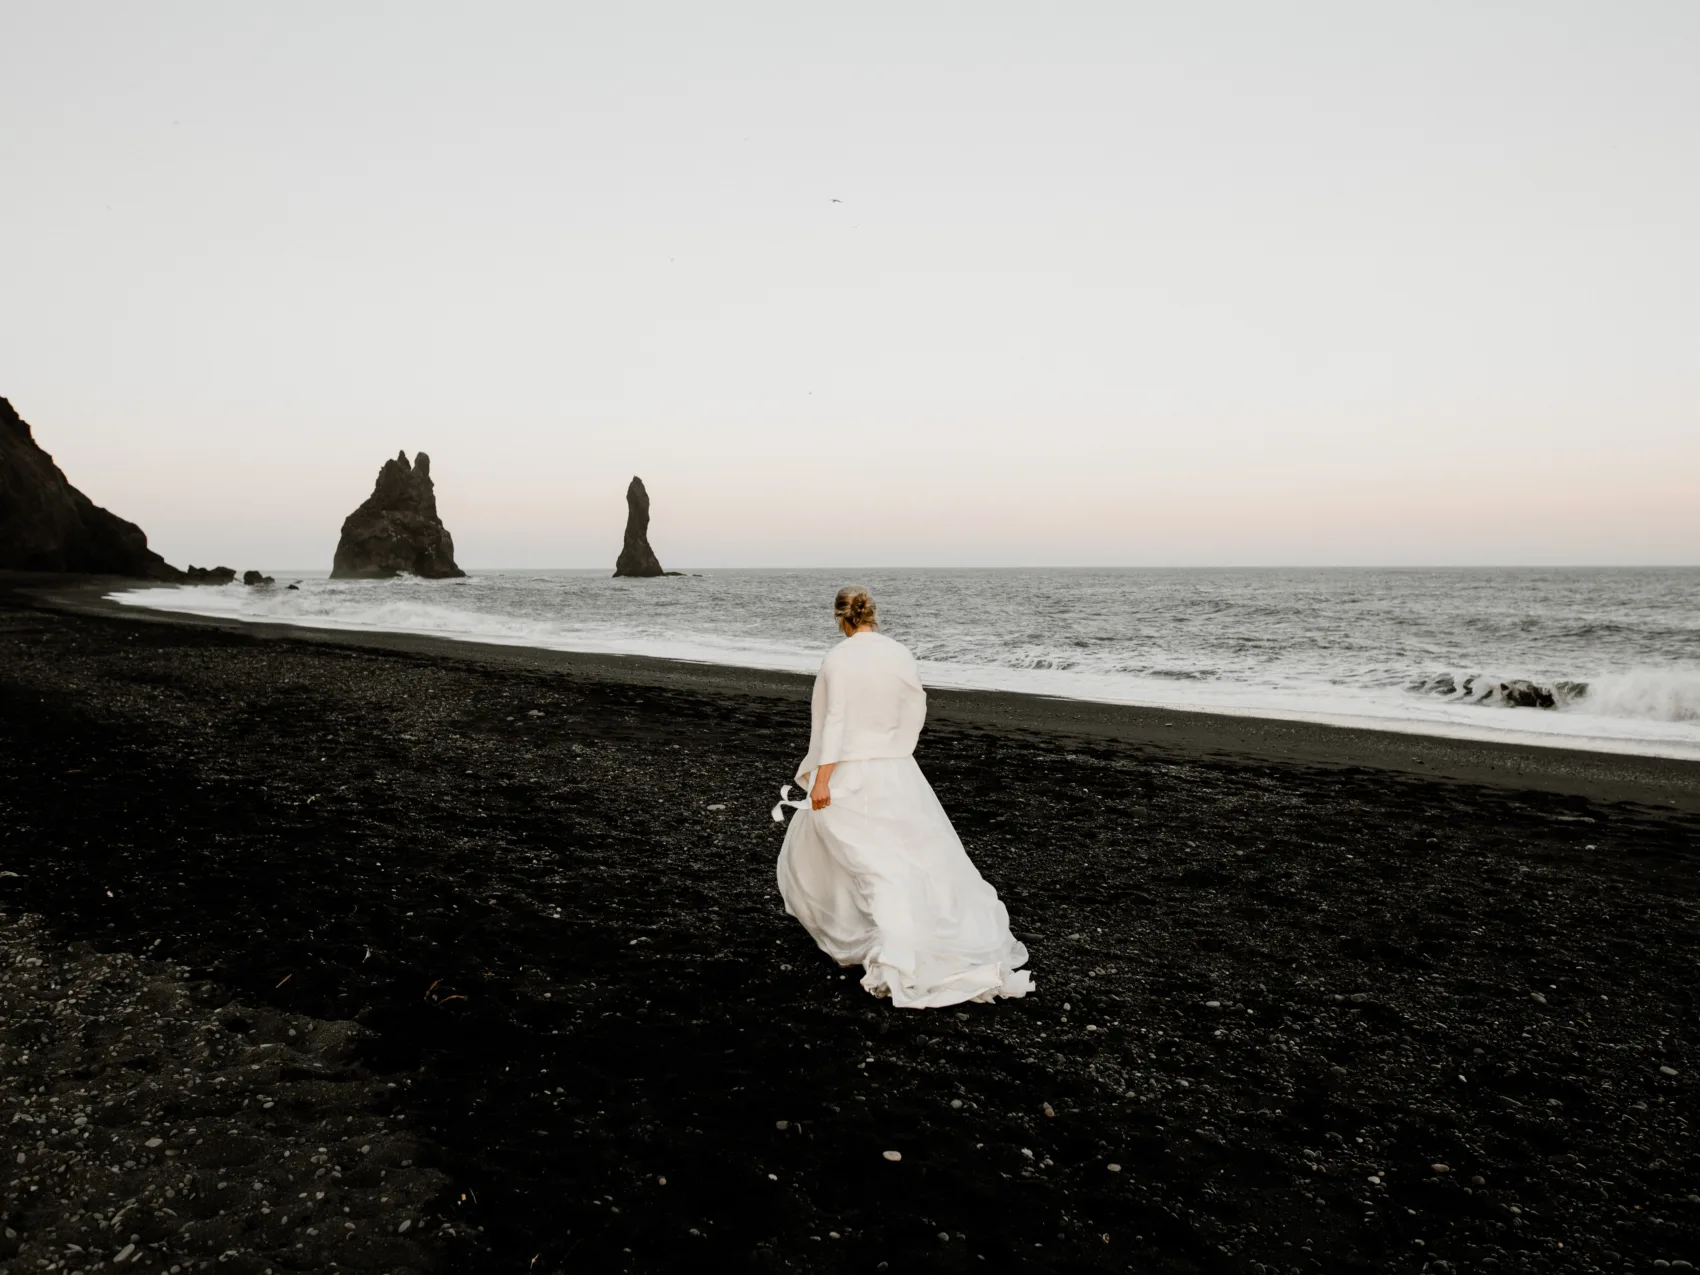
820, 796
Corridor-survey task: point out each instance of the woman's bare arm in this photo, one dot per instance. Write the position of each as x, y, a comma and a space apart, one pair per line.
821, 795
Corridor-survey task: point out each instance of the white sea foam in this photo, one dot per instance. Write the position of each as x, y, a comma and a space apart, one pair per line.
1652, 694
1617, 655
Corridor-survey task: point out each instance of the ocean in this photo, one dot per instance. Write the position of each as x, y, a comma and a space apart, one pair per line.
1607, 659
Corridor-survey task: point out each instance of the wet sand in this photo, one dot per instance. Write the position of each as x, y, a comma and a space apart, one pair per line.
1274, 961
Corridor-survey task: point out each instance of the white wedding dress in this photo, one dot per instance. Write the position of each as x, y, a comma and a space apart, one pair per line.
879, 877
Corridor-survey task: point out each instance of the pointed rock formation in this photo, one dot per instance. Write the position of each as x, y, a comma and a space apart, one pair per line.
636, 557
397, 530
48, 525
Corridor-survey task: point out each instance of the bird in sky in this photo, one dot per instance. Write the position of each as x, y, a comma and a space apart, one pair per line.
838, 201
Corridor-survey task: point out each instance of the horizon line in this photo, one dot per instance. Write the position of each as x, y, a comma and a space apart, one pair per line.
1223, 566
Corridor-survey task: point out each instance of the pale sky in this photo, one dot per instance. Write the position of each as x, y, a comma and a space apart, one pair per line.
1112, 283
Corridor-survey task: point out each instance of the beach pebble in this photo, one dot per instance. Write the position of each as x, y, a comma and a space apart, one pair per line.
1440, 1168
781, 1124
1114, 1168
1537, 998
893, 1156
1358, 998
1667, 1071
719, 805
405, 1227
154, 1142
956, 1104
1212, 1004
1046, 1108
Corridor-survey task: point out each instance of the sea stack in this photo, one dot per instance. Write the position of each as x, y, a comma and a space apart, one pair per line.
48, 525
397, 531
636, 557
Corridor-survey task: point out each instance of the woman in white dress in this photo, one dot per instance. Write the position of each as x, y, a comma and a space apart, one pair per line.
871, 865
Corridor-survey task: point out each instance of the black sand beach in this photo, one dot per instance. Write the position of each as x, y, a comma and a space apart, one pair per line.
1309, 999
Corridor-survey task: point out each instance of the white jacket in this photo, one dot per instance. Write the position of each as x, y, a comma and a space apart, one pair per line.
868, 703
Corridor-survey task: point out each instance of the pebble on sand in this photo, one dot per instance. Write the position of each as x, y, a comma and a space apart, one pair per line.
893, 1156
1667, 1071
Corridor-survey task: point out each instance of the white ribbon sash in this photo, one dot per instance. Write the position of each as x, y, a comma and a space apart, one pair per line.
802, 803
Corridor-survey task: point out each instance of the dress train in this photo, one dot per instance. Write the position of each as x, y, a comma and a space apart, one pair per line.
880, 879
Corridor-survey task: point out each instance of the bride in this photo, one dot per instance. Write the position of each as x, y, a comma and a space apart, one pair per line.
871, 865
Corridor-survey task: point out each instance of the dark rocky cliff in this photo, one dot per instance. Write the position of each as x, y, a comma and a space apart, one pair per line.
397, 531
48, 525
636, 557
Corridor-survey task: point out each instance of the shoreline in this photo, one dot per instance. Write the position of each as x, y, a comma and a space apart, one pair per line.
1271, 996
1669, 783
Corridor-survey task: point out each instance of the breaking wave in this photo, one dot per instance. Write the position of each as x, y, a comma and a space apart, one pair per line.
1658, 695
1655, 695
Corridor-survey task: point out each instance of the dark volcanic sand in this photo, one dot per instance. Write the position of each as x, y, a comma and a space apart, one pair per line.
1260, 981
152, 1122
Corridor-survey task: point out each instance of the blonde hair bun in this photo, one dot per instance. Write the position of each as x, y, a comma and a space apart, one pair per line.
854, 606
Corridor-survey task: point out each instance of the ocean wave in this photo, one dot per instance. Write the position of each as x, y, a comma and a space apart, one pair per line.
1657, 695
1032, 661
